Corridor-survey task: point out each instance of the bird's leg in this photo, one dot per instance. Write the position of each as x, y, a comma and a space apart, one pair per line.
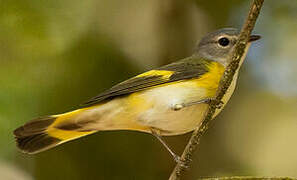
177, 107
156, 133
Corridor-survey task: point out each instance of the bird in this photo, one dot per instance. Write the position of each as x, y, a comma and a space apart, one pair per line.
165, 101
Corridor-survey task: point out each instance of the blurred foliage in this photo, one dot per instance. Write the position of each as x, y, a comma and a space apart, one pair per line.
56, 54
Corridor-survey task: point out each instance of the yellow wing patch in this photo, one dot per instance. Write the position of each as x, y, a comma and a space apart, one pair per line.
164, 73
210, 80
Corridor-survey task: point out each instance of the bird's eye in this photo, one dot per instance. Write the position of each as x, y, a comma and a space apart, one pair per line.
224, 41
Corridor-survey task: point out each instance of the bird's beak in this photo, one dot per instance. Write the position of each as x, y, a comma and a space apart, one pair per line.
254, 38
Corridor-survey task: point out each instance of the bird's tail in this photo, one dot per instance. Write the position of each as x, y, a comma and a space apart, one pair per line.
47, 132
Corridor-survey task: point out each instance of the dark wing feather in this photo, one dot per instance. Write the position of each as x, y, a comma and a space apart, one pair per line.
185, 69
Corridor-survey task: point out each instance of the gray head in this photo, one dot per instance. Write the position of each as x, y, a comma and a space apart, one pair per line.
218, 44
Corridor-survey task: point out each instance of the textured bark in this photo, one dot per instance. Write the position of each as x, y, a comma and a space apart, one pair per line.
226, 80
247, 178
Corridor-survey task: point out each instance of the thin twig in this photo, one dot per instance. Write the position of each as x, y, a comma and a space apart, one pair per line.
225, 82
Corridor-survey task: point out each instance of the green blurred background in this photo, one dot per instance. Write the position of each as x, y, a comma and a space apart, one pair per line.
56, 54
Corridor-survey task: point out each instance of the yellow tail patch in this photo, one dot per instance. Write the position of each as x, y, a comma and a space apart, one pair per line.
66, 135
43, 133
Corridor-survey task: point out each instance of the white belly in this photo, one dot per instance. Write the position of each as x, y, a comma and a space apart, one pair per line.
161, 115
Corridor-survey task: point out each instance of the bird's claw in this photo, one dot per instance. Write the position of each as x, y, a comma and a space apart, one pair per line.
179, 160
219, 104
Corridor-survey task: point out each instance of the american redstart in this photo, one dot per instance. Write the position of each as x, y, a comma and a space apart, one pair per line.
169, 100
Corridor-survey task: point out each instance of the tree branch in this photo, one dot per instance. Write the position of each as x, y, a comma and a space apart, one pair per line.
247, 178
225, 82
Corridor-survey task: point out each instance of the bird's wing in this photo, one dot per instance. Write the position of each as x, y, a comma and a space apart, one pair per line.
181, 70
